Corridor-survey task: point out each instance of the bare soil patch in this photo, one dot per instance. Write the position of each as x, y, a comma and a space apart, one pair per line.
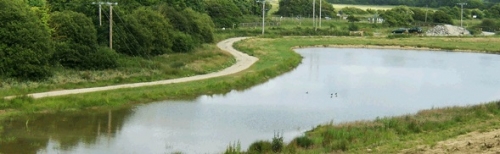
474, 142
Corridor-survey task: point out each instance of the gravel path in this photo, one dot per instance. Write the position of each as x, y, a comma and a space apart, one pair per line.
243, 61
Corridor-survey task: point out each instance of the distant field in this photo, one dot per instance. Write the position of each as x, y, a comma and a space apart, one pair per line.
275, 7
364, 7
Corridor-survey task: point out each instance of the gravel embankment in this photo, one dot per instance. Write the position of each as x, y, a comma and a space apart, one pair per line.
447, 30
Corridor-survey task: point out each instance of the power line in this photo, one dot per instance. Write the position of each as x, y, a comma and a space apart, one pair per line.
120, 36
125, 32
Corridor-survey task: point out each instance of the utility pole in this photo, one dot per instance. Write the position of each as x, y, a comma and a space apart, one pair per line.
314, 14
426, 14
111, 24
461, 12
263, 13
100, 8
320, 13
110, 19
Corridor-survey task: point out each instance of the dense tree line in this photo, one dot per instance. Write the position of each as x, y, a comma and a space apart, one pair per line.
478, 8
37, 36
406, 16
421, 3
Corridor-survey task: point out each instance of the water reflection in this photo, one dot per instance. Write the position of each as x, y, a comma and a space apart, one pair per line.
60, 132
370, 83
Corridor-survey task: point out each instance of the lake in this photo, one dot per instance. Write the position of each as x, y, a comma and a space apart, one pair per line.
330, 85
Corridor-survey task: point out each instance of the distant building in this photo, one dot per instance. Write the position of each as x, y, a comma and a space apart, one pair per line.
375, 20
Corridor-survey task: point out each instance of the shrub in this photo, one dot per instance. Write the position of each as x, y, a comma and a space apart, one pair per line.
147, 34
202, 26
442, 17
104, 58
277, 144
353, 10
234, 148
76, 43
341, 145
353, 27
25, 44
182, 43
260, 147
304, 142
489, 25
475, 31
224, 13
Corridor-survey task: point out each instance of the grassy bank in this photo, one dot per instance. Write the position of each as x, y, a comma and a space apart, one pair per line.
364, 7
391, 134
468, 44
387, 134
205, 59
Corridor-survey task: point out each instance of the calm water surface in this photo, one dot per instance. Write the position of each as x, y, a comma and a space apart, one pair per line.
369, 83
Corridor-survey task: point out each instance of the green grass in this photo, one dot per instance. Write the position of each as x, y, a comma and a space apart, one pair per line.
275, 8
364, 7
467, 22
393, 134
205, 59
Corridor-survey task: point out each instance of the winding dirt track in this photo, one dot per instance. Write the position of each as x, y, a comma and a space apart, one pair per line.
243, 61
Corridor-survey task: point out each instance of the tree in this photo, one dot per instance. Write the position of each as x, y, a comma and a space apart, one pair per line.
246, 7
478, 13
419, 14
353, 11
36, 3
25, 45
188, 32
475, 4
417, 3
352, 26
176, 18
197, 5
304, 8
442, 17
489, 25
76, 42
144, 32
398, 16
352, 18
202, 25
224, 13
494, 11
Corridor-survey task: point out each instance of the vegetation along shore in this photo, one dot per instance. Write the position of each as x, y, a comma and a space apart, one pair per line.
423, 132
